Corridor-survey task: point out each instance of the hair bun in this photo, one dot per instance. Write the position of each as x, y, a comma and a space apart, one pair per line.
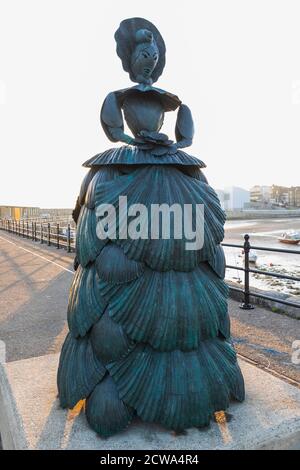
143, 35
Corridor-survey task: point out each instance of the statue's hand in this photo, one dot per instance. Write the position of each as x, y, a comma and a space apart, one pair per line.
161, 150
154, 137
141, 143
158, 143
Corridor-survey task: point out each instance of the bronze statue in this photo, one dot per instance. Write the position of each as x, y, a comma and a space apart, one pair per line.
149, 328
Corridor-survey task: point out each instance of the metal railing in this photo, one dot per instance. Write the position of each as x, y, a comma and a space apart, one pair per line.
63, 236
50, 233
247, 293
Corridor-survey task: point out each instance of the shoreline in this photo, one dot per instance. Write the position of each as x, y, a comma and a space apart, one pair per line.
261, 214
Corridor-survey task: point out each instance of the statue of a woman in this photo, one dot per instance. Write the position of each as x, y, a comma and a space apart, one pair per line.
149, 329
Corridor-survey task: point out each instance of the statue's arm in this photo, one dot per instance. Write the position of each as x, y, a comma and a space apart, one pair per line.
184, 130
112, 120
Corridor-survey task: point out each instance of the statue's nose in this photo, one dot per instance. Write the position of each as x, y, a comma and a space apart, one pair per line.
150, 62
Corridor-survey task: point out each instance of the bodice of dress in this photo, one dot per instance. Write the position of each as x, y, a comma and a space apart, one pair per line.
143, 111
143, 108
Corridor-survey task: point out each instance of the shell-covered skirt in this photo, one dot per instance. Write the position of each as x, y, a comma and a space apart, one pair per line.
149, 328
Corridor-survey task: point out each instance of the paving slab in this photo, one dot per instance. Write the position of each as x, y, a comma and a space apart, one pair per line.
30, 416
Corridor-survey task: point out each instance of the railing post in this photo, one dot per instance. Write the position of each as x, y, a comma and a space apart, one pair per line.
42, 235
19, 228
32, 231
27, 229
35, 238
246, 305
49, 242
23, 229
57, 236
69, 238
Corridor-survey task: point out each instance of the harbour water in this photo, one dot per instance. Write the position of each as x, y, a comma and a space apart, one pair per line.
264, 232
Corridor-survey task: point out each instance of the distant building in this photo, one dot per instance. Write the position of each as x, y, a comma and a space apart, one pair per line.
260, 194
294, 196
19, 212
233, 198
47, 213
23, 213
274, 196
280, 195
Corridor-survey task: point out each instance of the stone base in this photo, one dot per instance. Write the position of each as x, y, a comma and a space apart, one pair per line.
30, 417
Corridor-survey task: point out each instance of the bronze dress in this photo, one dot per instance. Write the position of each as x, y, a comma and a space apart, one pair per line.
149, 328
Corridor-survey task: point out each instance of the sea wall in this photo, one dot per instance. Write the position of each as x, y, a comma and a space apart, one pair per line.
262, 214
276, 307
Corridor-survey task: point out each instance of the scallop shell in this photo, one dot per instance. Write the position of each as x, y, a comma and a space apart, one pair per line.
170, 310
113, 265
218, 262
179, 389
105, 173
131, 155
159, 185
85, 184
86, 305
105, 412
79, 371
109, 340
88, 245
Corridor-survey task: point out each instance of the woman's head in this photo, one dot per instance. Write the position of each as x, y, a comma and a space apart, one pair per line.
144, 57
141, 49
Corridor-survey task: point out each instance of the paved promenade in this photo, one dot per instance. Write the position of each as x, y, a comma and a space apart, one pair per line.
34, 284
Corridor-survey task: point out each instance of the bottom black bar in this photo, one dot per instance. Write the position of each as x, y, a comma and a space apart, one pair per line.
134, 459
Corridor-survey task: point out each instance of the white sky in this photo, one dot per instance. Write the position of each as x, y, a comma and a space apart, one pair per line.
236, 63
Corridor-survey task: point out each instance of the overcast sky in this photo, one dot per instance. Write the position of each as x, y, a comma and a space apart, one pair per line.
236, 63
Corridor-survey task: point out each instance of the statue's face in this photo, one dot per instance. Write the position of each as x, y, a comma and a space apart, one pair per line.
143, 62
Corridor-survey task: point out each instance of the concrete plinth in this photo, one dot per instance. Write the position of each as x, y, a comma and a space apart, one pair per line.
30, 417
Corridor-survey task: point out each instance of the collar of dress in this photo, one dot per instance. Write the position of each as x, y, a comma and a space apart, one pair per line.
170, 101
